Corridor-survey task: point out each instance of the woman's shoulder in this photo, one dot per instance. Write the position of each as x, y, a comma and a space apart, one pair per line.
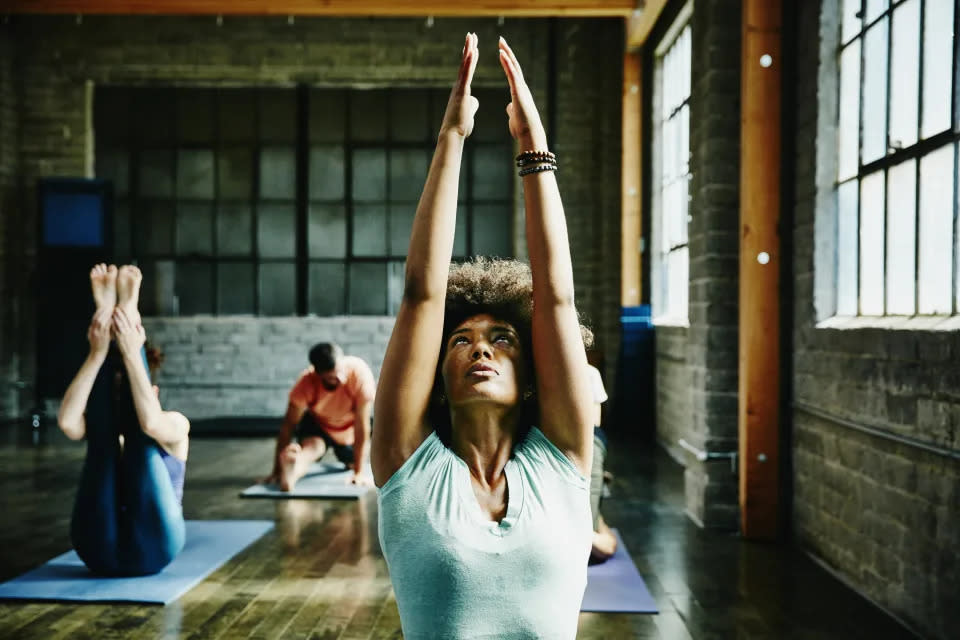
423, 462
537, 451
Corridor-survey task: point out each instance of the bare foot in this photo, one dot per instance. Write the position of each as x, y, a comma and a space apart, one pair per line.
604, 543
288, 466
103, 281
128, 291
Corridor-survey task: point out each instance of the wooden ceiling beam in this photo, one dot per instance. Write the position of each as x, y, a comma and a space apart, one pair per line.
380, 8
641, 23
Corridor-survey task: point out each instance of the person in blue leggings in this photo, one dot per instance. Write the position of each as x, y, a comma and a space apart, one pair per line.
127, 517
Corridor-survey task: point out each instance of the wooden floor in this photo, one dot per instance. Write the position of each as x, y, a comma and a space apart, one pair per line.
320, 573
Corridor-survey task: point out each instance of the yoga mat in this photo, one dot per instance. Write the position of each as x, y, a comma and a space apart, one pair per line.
615, 586
322, 481
209, 544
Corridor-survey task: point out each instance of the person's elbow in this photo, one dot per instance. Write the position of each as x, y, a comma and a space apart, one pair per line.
167, 427
73, 429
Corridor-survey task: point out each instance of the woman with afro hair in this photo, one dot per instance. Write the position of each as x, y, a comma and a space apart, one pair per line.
483, 431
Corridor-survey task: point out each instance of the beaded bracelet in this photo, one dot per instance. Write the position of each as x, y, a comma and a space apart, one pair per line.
533, 157
537, 169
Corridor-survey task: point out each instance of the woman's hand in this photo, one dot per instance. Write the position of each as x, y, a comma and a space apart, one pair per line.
129, 337
462, 106
99, 332
525, 124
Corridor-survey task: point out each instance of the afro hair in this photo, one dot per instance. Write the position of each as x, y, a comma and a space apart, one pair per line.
500, 288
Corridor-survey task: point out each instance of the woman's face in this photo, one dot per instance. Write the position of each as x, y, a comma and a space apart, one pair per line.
484, 362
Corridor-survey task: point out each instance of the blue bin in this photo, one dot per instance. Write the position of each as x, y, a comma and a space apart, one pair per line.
634, 410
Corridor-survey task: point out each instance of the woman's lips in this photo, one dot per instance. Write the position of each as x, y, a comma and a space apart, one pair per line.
482, 371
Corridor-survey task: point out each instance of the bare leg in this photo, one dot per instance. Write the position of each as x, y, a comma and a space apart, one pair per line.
103, 282
128, 291
295, 460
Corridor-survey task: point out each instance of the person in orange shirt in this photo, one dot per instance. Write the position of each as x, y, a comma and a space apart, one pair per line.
330, 406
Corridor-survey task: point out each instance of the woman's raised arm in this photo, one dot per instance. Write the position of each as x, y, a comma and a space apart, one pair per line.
563, 385
406, 378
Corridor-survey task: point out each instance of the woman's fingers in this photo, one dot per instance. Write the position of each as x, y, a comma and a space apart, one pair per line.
469, 64
508, 69
512, 58
120, 320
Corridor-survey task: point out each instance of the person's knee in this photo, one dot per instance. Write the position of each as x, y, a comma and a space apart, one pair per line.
154, 549
345, 454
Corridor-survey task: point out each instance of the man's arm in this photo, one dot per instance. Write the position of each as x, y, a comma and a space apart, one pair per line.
287, 429
361, 441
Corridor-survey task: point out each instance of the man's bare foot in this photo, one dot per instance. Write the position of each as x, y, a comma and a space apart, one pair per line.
128, 291
103, 281
288, 466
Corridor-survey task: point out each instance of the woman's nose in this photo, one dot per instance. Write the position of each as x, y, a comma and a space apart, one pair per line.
481, 349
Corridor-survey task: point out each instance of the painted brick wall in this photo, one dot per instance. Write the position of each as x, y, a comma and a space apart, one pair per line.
63, 59
697, 385
244, 366
884, 515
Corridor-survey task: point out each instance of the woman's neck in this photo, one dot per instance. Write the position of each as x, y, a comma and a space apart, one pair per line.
484, 439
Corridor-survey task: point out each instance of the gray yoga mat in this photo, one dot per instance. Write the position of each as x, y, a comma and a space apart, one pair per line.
616, 586
323, 480
209, 544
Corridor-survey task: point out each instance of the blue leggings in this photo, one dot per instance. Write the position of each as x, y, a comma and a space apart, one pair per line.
127, 520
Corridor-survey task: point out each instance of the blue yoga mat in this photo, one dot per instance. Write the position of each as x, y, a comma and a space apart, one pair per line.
616, 586
210, 543
321, 481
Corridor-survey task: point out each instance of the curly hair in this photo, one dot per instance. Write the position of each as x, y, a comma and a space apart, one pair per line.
500, 288
155, 357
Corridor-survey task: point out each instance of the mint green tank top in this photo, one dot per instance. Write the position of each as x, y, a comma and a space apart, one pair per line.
457, 574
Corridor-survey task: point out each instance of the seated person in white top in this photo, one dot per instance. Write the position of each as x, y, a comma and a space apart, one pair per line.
604, 542
483, 437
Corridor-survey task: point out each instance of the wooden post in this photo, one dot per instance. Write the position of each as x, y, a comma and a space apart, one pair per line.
759, 397
631, 226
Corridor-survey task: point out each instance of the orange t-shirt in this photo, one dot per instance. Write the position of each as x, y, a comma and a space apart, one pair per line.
337, 409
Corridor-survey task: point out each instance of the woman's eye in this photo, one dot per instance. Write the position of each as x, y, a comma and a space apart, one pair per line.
503, 338
459, 340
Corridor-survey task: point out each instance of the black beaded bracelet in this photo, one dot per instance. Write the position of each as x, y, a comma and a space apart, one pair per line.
534, 157
537, 169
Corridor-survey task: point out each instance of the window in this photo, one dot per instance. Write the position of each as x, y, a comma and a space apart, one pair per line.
671, 171
897, 139
286, 201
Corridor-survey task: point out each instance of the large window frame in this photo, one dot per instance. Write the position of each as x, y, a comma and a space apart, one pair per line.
670, 263
285, 179
895, 185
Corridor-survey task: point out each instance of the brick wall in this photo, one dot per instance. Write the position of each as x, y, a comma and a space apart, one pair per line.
587, 140
884, 515
61, 56
697, 385
244, 366
9, 229
673, 389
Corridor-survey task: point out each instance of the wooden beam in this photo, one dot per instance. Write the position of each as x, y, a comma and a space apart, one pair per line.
759, 397
641, 23
391, 8
631, 225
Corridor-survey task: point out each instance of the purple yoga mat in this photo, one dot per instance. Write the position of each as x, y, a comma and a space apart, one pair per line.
616, 586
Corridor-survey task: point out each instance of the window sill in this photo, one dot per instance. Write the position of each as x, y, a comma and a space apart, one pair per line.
898, 323
671, 321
